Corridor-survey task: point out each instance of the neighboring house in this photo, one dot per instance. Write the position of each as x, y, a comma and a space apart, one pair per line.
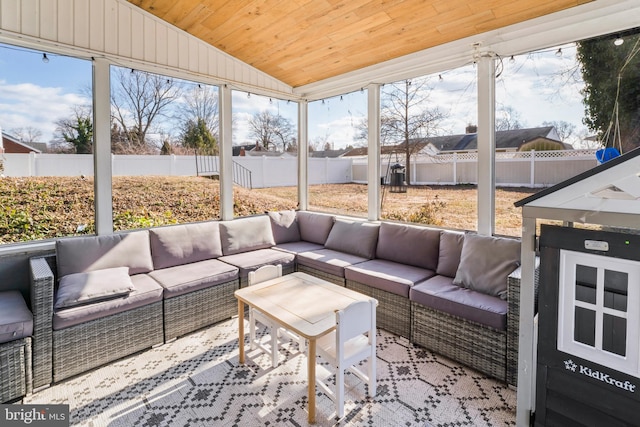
328, 153
506, 140
14, 146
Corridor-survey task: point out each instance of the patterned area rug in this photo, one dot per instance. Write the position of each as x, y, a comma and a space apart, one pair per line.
197, 381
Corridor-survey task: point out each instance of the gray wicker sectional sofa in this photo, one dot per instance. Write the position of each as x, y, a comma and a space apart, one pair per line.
101, 298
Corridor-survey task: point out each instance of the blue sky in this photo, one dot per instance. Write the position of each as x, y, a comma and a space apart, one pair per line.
36, 94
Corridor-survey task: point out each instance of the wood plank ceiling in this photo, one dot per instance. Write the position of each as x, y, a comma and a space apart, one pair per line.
305, 41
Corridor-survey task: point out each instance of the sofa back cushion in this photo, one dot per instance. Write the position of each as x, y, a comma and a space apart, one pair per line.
408, 244
355, 238
486, 262
82, 254
185, 244
314, 227
246, 234
449, 253
284, 226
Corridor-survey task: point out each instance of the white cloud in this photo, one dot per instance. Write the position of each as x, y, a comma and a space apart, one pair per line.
30, 105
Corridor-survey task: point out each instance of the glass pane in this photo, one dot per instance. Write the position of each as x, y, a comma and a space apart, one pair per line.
46, 160
615, 289
338, 162
614, 334
585, 326
586, 282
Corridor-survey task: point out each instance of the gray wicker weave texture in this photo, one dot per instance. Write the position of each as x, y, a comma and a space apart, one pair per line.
190, 312
472, 344
394, 311
42, 285
88, 345
15, 369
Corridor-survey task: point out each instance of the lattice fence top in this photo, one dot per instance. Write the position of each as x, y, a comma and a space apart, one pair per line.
473, 156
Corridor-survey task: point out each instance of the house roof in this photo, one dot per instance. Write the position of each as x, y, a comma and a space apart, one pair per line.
12, 144
289, 39
505, 139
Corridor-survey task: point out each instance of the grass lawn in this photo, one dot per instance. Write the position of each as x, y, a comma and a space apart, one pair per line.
47, 207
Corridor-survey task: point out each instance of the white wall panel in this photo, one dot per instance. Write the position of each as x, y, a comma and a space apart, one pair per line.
172, 47
81, 24
30, 18
183, 51
161, 44
96, 25
137, 34
150, 40
110, 27
203, 59
193, 54
48, 25
10, 15
65, 22
124, 30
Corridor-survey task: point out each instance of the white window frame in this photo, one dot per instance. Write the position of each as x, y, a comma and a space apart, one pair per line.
567, 302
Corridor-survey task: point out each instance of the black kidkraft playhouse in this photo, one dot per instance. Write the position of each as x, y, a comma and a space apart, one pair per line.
586, 368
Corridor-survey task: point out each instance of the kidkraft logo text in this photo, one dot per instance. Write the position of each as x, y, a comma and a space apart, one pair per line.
570, 365
34, 415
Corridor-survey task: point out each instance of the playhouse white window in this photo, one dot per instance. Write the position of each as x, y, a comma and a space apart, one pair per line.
598, 306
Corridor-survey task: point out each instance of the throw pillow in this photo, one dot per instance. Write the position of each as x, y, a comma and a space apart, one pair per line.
93, 286
285, 226
486, 262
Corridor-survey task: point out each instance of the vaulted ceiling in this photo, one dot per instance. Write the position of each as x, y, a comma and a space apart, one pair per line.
305, 41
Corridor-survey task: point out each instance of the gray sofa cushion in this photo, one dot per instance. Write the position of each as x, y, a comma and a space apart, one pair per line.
389, 276
408, 244
329, 261
246, 234
146, 291
249, 261
16, 320
441, 294
297, 247
486, 262
284, 226
354, 237
182, 279
184, 244
449, 253
92, 286
314, 227
81, 254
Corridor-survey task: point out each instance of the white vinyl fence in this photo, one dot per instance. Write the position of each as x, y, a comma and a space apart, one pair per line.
512, 169
526, 169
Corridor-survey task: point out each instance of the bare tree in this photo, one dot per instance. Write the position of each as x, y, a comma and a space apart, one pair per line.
507, 118
201, 104
270, 129
406, 115
137, 100
27, 133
